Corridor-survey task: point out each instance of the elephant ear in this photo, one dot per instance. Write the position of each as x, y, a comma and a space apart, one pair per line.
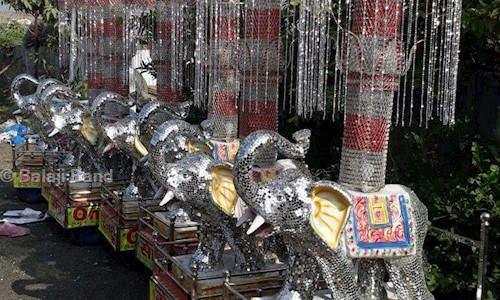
88, 130
330, 210
222, 190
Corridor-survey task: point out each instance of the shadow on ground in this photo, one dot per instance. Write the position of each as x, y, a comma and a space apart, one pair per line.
47, 265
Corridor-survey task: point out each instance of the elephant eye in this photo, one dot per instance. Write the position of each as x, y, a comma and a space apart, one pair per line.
280, 198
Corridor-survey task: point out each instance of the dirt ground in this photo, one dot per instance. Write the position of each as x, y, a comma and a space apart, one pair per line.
47, 265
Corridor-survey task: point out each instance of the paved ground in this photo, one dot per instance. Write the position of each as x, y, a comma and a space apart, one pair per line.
46, 265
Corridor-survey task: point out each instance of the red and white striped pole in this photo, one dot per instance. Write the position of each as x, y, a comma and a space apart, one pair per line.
115, 67
166, 59
94, 40
224, 76
373, 66
261, 68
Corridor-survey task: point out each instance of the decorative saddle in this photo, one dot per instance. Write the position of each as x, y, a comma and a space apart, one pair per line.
381, 224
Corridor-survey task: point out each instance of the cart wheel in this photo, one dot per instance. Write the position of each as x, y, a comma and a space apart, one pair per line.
84, 236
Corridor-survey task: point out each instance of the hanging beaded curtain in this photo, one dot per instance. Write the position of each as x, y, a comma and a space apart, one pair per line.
311, 33
201, 53
190, 31
64, 24
385, 53
261, 66
116, 56
223, 63
141, 28
91, 13
238, 72
169, 49
100, 47
332, 31
216, 55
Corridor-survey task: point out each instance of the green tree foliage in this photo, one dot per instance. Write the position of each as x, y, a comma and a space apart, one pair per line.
480, 40
43, 30
457, 175
10, 37
47, 9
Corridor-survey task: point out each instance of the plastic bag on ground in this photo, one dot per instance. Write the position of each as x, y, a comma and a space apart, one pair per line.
11, 230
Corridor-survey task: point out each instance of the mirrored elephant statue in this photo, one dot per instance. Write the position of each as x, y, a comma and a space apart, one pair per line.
119, 129
71, 118
30, 105
128, 133
175, 145
317, 220
171, 141
151, 116
115, 123
206, 190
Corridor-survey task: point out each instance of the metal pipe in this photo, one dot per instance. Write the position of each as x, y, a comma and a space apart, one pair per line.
72, 59
483, 256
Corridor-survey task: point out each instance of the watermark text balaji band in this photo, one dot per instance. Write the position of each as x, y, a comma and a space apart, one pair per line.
26, 176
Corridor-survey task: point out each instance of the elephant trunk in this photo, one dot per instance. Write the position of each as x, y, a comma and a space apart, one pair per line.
47, 97
99, 105
167, 130
154, 107
156, 113
16, 86
43, 85
252, 148
163, 153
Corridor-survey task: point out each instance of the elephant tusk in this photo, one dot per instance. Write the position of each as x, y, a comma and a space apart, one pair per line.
144, 159
140, 147
54, 132
247, 215
17, 112
158, 193
168, 197
257, 223
108, 148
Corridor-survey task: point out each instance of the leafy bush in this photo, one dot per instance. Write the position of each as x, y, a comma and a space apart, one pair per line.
480, 41
457, 176
11, 36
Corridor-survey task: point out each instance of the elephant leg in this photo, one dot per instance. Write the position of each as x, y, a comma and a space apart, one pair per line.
371, 275
398, 278
275, 249
338, 272
248, 256
210, 250
302, 279
414, 266
407, 275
